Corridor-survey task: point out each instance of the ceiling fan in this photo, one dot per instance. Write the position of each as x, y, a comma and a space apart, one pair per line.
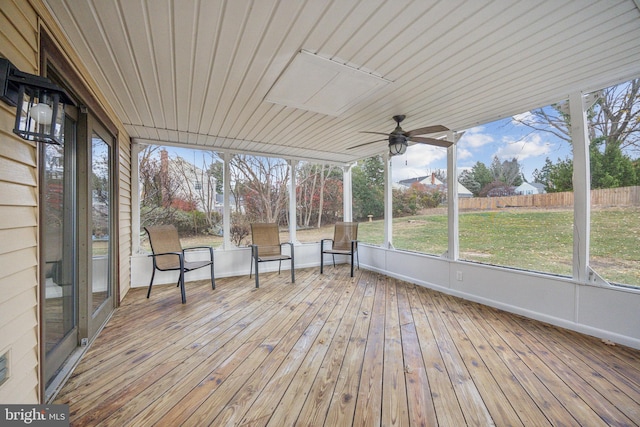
399, 139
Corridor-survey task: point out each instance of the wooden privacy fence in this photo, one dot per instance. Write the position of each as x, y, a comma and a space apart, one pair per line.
623, 196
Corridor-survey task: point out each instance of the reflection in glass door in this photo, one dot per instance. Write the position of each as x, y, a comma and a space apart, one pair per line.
58, 274
100, 221
101, 236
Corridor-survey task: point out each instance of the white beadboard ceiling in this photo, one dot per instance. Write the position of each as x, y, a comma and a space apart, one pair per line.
198, 72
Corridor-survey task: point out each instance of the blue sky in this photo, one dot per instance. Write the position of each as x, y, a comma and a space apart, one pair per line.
503, 138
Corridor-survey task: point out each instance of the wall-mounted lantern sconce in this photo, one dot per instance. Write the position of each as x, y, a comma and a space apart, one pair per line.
39, 102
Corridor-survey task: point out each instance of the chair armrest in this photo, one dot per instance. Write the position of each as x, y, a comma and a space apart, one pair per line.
254, 250
209, 248
197, 247
290, 247
325, 240
166, 253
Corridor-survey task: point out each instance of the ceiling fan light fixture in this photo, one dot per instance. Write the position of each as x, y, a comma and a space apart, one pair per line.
397, 148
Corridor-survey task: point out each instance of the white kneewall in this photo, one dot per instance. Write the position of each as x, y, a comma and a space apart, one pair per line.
607, 312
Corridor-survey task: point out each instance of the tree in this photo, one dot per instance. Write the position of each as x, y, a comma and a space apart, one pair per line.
468, 180
507, 171
216, 170
315, 186
559, 176
368, 188
614, 131
261, 183
475, 179
157, 187
497, 189
541, 176
480, 179
610, 168
614, 117
197, 188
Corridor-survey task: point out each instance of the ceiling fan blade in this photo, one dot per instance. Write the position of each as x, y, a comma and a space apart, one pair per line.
427, 129
366, 143
376, 133
431, 141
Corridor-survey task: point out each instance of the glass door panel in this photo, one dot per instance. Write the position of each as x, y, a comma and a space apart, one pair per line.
101, 232
58, 274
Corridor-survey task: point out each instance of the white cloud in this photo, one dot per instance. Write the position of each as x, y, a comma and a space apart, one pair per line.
475, 138
419, 160
531, 146
463, 153
522, 119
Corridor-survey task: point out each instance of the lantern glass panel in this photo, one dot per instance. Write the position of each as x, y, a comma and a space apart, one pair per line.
40, 116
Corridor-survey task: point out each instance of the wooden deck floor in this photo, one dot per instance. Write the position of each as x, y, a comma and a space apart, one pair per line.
335, 351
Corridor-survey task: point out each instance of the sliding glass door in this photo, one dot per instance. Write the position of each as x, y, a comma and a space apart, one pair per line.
77, 211
101, 226
58, 250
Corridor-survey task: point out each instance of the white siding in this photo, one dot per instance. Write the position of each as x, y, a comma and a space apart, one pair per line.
18, 223
19, 313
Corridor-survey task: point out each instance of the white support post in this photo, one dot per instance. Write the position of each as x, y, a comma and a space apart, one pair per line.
347, 193
388, 203
136, 148
581, 187
226, 216
293, 219
452, 199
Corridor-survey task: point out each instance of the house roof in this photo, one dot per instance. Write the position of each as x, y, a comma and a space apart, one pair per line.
252, 76
525, 185
427, 180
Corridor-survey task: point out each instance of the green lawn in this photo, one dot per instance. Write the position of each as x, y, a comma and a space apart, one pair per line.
534, 240
527, 239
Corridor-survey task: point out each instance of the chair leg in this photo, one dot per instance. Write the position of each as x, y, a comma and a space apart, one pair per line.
153, 273
181, 283
321, 259
251, 263
255, 260
352, 251
293, 270
351, 263
213, 279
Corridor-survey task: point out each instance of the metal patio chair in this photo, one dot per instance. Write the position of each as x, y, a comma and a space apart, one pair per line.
266, 247
168, 255
344, 242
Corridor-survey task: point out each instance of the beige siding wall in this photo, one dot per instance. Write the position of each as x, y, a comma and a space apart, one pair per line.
18, 220
19, 319
124, 206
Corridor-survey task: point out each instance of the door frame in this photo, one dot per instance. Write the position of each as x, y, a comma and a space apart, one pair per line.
69, 342
90, 322
54, 64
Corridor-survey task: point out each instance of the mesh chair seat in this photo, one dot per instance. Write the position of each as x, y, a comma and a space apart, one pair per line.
168, 255
344, 242
266, 247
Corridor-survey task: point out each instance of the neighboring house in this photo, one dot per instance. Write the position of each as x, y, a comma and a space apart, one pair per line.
432, 182
195, 184
527, 188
